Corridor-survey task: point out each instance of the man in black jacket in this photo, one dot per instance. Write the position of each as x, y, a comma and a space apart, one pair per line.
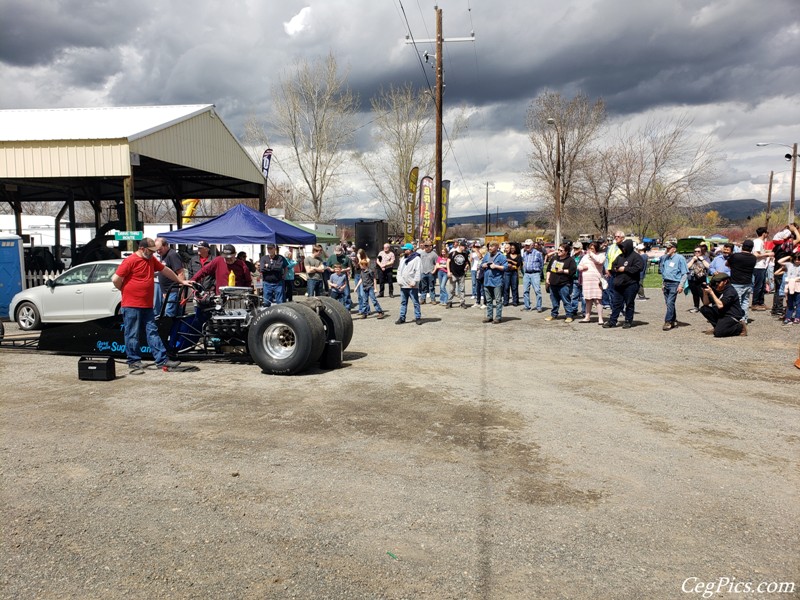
626, 269
721, 307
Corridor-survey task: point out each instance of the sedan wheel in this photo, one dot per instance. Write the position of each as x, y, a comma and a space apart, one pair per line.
28, 316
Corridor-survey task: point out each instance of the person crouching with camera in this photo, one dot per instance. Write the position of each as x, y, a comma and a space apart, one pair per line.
721, 307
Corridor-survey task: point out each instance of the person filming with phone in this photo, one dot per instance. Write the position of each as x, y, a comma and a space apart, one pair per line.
721, 307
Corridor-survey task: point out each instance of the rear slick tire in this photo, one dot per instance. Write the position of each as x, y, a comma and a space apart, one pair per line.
286, 339
338, 322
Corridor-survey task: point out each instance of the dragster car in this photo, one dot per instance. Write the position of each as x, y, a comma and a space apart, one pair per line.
282, 339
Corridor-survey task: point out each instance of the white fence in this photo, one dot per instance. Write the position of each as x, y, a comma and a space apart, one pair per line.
34, 278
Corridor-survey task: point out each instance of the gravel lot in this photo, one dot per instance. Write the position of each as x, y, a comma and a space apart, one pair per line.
449, 460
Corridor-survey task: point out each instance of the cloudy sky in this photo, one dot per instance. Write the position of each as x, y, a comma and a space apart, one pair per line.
732, 66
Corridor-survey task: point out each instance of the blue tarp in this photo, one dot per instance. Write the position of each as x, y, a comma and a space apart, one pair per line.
241, 225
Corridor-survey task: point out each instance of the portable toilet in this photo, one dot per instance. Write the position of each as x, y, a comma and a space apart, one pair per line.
12, 270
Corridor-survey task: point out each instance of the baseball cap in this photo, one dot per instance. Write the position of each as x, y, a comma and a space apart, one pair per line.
408, 246
640, 246
528, 242
202, 244
577, 246
669, 245
147, 244
228, 251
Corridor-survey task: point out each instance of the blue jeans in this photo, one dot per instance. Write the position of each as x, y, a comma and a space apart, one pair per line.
405, 294
608, 294
348, 300
494, 301
561, 293
576, 296
427, 284
670, 294
792, 307
532, 280
623, 297
158, 299
759, 286
478, 289
340, 296
364, 297
744, 291
314, 287
511, 288
442, 277
134, 319
474, 276
273, 293
173, 308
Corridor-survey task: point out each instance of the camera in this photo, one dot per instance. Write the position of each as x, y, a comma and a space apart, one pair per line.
704, 285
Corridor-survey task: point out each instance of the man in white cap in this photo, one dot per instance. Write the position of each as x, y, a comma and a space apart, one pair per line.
409, 273
532, 265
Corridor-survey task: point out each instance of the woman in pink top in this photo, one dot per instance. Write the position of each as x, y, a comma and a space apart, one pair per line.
591, 268
441, 274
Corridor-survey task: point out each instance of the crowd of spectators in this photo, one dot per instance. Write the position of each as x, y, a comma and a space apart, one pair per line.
599, 281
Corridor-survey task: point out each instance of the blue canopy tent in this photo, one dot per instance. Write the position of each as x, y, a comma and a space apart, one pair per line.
241, 225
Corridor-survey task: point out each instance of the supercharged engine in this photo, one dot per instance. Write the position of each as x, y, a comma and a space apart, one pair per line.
229, 314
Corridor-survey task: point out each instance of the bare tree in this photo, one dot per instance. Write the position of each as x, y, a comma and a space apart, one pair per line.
402, 122
314, 110
662, 170
574, 125
599, 190
669, 223
281, 192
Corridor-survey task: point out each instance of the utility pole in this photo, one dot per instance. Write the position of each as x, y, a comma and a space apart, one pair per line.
439, 101
769, 199
437, 225
557, 238
487, 208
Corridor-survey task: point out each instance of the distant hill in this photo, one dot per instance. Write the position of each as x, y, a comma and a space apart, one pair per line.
729, 210
739, 210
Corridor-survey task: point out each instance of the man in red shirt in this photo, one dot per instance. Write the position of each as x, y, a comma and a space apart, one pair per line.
221, 267
134, 278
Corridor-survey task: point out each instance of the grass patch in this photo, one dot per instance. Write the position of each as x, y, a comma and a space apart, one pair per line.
652, 280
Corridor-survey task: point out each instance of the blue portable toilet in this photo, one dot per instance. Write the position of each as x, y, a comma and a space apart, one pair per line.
12, 270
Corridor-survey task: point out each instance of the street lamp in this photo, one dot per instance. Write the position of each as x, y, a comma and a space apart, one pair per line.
793, 159
557, 240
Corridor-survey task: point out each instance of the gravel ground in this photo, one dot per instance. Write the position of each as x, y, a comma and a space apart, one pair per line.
449, 460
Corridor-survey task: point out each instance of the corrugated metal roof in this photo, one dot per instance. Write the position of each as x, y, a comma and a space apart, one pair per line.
101, 123
102, 142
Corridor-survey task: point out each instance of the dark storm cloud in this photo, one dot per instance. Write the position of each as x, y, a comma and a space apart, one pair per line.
730, 64
89, 67
36, 33
686, 53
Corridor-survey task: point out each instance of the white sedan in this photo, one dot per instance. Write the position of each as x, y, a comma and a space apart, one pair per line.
80, 294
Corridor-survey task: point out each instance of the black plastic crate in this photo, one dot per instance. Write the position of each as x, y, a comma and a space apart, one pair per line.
96, 368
